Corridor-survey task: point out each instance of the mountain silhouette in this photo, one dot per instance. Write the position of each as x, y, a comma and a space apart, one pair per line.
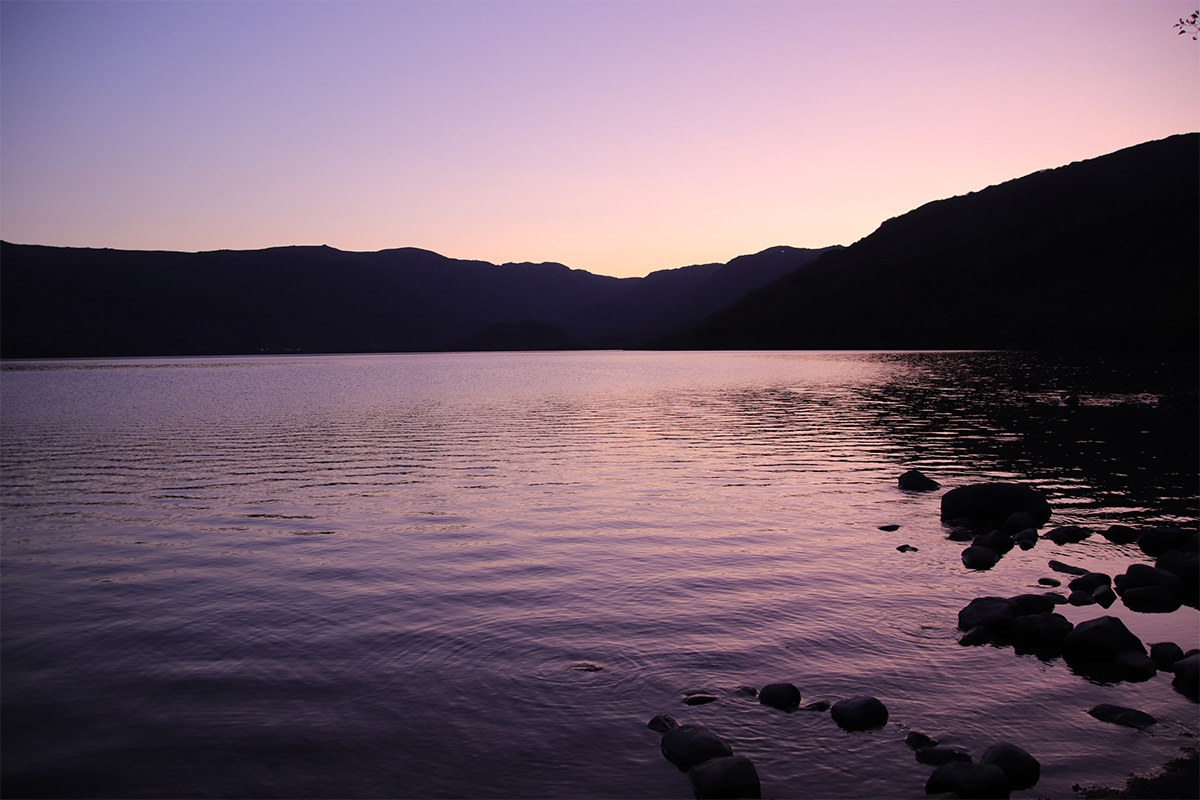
77, 302
1098, 255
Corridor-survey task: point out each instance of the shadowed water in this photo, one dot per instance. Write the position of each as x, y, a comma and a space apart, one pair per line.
480, 575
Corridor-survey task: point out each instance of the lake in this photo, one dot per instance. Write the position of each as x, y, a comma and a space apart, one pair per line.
480, 575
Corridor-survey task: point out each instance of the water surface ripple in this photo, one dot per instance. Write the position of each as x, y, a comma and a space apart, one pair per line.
479, 575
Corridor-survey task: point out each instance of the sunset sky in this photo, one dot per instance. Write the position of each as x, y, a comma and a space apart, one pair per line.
616, 137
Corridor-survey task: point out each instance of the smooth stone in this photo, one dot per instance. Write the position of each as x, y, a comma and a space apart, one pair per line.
1134, 666
1121, 534
906, 548
783, 696
936, 756
1049, 582
994, 613
1120, 715
1089, 582
725, 777
1082, 599
817, 705
972, 781
889, 528
1151, 600
689, 745
998, 541
1165, 654
1186, 566
699, 699
746, 691
1187, 675
1020, 521
1067, 534
961, 535
1101, 638
1041, 631
1137, 576
662, 723
997, 501
1031, 604
915, 481
975, 557
1057, 598
1026, 539
859, 713
1156, 541
1067, 569
917, 740
1021, 769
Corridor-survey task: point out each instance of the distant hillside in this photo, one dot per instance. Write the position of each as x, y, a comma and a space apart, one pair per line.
61, 302
1099, 254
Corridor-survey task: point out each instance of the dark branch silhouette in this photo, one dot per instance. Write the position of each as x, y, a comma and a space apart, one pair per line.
1190, 25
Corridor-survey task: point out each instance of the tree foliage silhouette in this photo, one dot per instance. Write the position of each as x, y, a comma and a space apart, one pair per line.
1190, 25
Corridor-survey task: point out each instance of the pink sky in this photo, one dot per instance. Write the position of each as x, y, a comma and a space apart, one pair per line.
616, 137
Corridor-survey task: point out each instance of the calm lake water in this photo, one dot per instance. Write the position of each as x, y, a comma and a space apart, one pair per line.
480, 575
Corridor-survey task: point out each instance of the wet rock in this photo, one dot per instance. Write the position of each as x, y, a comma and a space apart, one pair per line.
817, 705
915, 481
1019, 522
1031, 604
974, 781
1049, 582
783, 696
1026, 539
1165, 654
1134, 666
1139, 575
1187, 675
1067, 534
1056, 598
745, 691
976, 636
1121, 534
1081, 599
1101, 638
688, 745
1186, 566
1156, 541
1089, 582
961, 535
1104, 595
859, 713
1041, 633
906, 548
997, 541
936, 756
1066, 569
997, 501
993, 613
699, 698
889, 528
975, 557
662, 723
1021, 769
917, 740
1151, 600
725, 777
1120, 715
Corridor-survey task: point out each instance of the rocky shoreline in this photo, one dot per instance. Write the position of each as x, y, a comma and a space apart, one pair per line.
992, 519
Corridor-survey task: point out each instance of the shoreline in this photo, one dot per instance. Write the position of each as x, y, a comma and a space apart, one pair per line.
1179, 778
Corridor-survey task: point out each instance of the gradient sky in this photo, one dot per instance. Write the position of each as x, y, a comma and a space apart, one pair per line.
617, 137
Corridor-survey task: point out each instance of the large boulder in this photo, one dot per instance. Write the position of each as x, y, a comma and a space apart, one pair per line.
915, 481
982, 781
689, 745
1156, 541
994, 501
1151, 600
996, 614
1021, 769
725, 777
1165, 654
859, 713
1101, 638
784, 696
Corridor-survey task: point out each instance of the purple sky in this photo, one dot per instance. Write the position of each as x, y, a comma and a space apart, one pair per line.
617, 137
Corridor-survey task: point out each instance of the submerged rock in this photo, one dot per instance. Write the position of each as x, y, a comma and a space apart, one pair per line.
725, 777
1120, 715
889, 528
936, 756
1121, 534
975, 557
1049, 582
976, 636
915, 481
1067, 534
1021, 769
917, 740
817, 705
859, 713
973, 781
995, 501
906, 548
1067, 569
699, 698
688, 745
1156, 541
784, 696
1089, 582
662, 723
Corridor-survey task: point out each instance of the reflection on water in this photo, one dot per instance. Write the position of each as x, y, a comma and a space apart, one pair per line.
380, 575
